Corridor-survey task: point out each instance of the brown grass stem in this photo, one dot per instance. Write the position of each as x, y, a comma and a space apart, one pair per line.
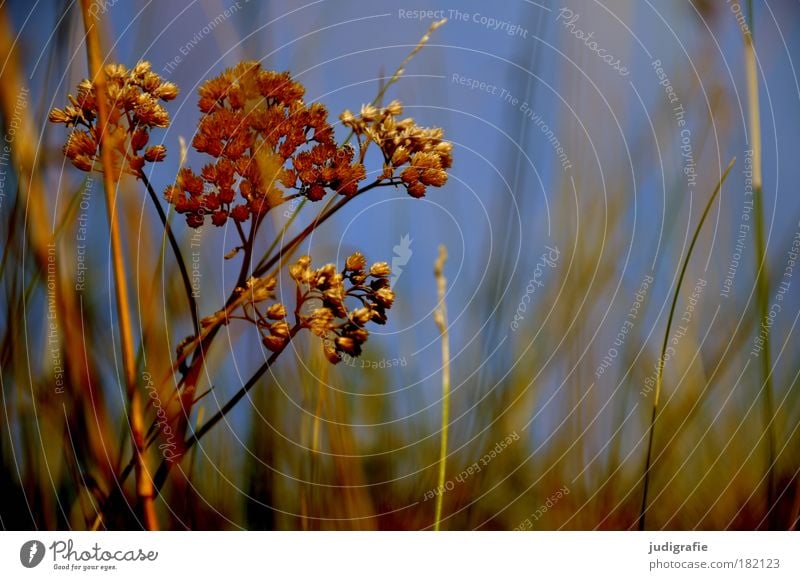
440, 318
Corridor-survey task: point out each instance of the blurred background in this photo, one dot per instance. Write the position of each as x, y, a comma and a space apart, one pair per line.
588, 138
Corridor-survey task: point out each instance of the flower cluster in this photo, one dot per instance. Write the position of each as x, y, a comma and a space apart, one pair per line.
322, 306
324, 292
270, 320
417, 155
132, 101
264, 140
267, 146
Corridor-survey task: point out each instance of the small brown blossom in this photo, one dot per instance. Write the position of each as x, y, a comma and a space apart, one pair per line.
132, 101
330, 292
155, 153
380, 270
361, 316
63, 116
420, 151
273, 343
356, 262
276, 312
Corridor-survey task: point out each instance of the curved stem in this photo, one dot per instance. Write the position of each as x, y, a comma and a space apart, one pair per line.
163, 469
660, 371
231, 403
205, 343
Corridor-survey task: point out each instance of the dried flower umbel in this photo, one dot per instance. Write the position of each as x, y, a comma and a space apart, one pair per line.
324, 294
417, 155
269, 146
265, 141
132, 98
335, 305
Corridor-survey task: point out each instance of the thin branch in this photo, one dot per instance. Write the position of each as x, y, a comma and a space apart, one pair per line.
288, 249
206, 340
251, 382
163, 469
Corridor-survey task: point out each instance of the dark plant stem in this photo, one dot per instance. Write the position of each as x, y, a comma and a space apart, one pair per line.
163, 470
287, 249
176, 250
263, 267
226, 408
144, 487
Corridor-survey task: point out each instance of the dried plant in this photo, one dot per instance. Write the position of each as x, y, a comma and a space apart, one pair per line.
136, 395
266, 147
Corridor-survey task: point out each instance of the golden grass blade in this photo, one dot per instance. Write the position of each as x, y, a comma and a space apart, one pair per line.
440, 317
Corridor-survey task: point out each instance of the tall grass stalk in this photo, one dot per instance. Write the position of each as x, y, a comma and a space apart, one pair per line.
144, 482
660, 372
440, 317
762, 271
